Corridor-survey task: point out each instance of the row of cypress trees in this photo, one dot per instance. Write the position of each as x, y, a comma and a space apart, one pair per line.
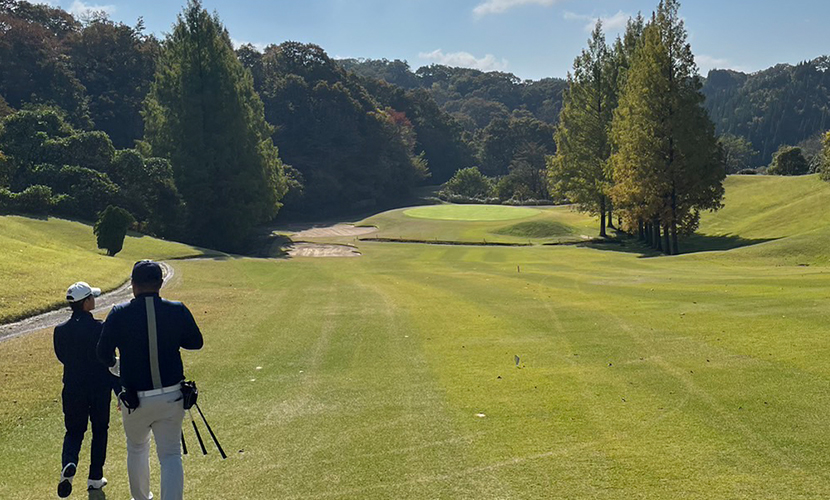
634, 139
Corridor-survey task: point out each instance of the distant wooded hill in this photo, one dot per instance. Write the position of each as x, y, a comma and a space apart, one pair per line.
473, 97
784, 104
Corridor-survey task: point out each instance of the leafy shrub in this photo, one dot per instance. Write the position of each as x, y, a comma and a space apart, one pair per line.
6, 200
90, 191
468, 182
34, 200
111, 228
788, 160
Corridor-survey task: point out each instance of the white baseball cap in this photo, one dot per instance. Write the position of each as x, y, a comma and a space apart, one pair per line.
80, 290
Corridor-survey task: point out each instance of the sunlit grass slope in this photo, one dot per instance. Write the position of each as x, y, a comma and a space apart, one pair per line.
790, 211
40, 258
479, 224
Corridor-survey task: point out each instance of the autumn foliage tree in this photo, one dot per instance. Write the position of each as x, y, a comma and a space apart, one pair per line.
579, 170
667, 165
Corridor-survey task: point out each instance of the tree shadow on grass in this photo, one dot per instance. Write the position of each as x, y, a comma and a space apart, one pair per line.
270, 246
696, 243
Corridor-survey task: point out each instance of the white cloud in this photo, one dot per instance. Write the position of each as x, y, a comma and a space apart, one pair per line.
465, 60
610, 24
239, 43
709, 62
706, 63
80, 9
499, 6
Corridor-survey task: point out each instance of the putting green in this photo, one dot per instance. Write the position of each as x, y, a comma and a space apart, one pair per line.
471, 212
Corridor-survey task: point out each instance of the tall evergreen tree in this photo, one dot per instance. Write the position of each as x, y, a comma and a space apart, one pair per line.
203, 114
667, 164
579, 171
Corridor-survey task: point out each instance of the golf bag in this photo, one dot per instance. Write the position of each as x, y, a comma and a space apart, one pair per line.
189, 394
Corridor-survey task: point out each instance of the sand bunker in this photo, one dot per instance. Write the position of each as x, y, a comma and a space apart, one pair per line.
320, 250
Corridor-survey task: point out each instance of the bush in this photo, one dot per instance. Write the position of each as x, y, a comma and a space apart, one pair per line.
747, 171
788, 161
111, 228
34, 200
468, 182
85, 149
6, 199
90, 191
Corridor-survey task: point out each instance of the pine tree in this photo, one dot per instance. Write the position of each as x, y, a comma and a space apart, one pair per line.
579, 170
203, 114
667, 164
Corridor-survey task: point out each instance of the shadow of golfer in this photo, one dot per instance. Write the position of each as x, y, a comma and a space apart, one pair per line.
97, 495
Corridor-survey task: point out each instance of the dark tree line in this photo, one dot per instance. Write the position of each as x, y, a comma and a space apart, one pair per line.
500, 116
782, 105
347, 150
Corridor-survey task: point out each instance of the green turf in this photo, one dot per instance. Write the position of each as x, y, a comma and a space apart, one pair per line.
546, 225
41, 258
537, 229
470, 212
691, 377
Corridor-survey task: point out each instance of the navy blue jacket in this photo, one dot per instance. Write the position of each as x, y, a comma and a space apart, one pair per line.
75, 343
126, 329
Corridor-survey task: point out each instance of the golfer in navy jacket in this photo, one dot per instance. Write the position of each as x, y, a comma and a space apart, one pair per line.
148, 332
86, 388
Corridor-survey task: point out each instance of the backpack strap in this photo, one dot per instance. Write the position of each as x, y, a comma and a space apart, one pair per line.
152, 336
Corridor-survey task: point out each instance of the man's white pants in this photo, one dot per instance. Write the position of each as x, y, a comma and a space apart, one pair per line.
163, 415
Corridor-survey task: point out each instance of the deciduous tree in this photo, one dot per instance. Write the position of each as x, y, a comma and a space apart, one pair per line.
667, 165
579, 170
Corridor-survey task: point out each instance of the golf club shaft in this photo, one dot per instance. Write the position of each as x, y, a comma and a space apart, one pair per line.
198, 436
184, 446
212, 435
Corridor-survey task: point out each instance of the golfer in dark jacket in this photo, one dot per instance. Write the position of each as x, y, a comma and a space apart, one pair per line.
148, 332
86, 388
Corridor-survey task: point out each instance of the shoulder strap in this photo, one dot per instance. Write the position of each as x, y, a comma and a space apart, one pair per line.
152, 336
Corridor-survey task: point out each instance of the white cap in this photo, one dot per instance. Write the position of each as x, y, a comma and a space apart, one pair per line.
80, 290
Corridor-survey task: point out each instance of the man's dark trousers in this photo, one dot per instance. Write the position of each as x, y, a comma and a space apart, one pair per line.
79, 407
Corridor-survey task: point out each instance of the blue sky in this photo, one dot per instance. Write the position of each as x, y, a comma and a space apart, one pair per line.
530, 38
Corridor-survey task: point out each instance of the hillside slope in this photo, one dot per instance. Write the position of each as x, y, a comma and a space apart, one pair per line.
785, 216
41, 258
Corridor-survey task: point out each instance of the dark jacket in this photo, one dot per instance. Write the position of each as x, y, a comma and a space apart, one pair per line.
75, 345
126, 329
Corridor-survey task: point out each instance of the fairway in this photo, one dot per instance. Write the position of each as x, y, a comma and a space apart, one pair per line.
394, 375
471, 212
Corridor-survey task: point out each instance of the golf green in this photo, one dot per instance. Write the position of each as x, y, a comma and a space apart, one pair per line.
471, 212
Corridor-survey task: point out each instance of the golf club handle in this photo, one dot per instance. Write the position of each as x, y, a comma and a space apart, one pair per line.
184, 445
198, 436
212, 435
